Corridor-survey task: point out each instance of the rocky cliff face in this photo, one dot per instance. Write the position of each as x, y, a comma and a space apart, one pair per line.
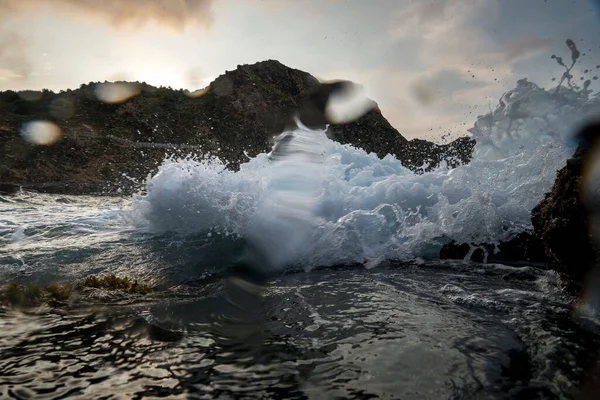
108, 146
562, 220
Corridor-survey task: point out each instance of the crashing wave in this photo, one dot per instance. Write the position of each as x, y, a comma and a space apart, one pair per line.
350, 206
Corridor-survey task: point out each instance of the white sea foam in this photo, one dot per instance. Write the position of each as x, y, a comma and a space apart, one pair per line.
329, 203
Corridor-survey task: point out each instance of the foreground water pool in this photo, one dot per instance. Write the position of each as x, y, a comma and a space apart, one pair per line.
410, 331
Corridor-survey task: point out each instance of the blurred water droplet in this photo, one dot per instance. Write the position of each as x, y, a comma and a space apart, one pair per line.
222, 86
348, 104
61, 108
41, 132
31, 95
116, 92
197, 93
424, 91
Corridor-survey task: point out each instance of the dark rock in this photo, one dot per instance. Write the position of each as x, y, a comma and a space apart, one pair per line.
561, 219
523, 248
454, 251
8, 188
478, 255
422, 156
107, 148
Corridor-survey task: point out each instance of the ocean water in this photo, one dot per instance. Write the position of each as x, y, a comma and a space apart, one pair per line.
342, 295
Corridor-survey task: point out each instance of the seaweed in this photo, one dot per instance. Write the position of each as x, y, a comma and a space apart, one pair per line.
112, 282
27, 296
32, 295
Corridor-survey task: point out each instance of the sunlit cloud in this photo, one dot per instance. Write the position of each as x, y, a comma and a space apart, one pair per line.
14, 64
175, 14
9, 75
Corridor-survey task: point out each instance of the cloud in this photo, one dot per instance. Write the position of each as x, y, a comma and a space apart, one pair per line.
13, 61
424, 13
442, 84
451, 38
175, 14
462, 61
453, 34
525, 48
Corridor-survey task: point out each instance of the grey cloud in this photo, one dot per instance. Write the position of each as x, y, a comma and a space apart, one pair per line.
524, 48
440, 84
431, 11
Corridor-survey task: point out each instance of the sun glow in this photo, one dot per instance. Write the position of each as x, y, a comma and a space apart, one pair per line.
164, 76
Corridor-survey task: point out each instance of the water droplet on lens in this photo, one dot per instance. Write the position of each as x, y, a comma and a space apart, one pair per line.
41, 132
116, 92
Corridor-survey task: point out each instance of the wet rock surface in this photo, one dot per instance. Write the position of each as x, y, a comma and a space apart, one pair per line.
562, 219
523, 248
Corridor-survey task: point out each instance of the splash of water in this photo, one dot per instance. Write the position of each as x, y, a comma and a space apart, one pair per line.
333, 203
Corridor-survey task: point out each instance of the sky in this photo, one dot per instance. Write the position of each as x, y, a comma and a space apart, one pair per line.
431, 65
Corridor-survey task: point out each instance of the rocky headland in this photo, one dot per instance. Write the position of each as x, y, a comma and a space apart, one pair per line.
114, 134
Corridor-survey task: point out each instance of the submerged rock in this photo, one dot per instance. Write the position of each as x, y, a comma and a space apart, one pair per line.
110, 136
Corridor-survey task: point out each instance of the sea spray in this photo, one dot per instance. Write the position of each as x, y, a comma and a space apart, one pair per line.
356, 207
